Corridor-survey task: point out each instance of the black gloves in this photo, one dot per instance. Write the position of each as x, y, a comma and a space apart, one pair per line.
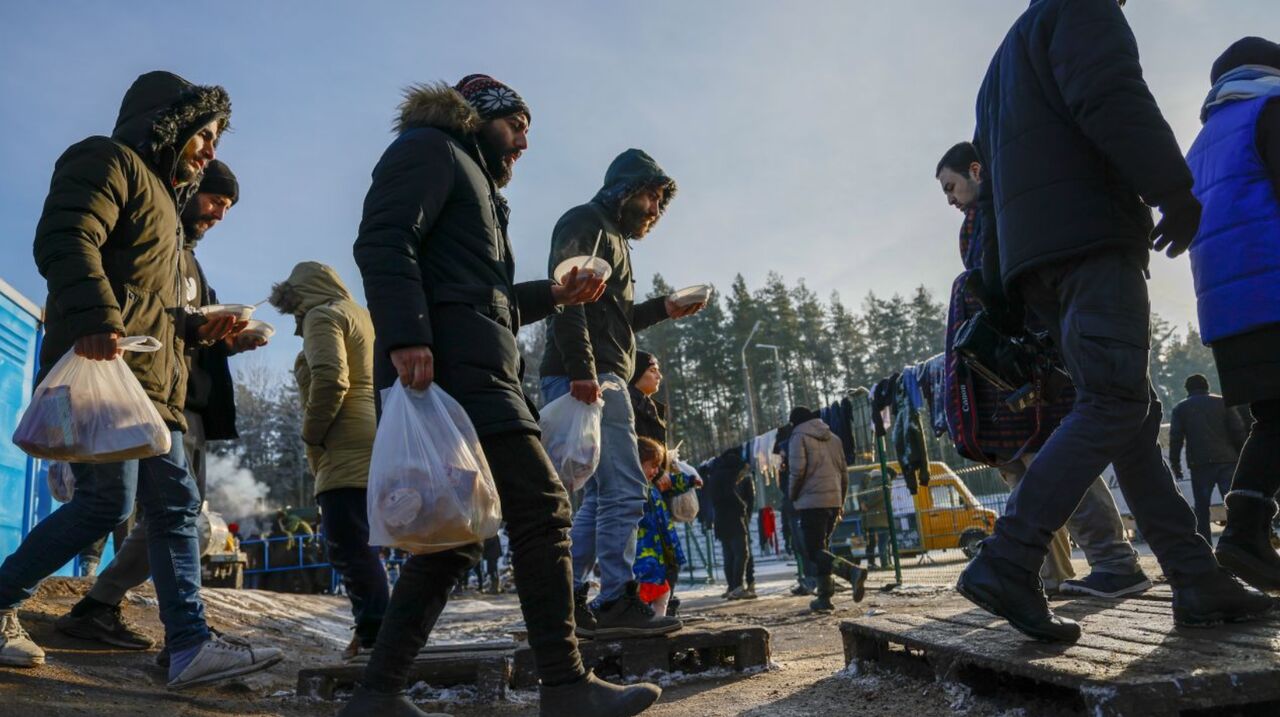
1178, 225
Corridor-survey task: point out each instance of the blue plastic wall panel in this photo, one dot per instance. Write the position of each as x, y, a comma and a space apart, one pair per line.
19, 334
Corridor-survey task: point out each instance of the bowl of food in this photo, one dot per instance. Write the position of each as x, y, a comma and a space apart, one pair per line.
690, 295
593, 264
239, 312
258, 330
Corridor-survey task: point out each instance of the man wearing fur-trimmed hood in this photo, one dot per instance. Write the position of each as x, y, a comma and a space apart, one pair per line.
591, 346
109, 243
439, 277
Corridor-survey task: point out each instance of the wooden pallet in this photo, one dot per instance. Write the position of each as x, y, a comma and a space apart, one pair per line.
692, 649
1131, 661
485, 665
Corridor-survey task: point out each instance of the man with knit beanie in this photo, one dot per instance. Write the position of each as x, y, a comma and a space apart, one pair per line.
1236, 165
590, 349
439, 277
209, 411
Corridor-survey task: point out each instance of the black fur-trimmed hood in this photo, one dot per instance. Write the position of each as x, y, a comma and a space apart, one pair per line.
161, 111
436, 104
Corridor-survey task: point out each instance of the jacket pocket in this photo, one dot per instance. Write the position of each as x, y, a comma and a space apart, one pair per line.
489, 301
1111, 353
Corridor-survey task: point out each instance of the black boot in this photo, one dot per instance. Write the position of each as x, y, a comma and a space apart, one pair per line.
1015, 594
1245, 546
584, 620
1215, 598
367, 703
628, 616
593, 697
826, 588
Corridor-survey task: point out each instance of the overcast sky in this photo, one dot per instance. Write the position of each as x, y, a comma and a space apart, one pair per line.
803, 135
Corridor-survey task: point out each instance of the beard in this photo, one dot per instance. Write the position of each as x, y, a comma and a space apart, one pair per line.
494, 157
634, 221
191, 219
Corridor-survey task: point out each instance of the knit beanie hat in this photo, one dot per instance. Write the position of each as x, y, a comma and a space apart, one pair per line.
491, 98
644, 360
218, 179
1245, 51
800, 414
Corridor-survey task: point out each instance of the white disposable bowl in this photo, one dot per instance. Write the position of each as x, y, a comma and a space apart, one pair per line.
696, 294
241, 312
260, 329
595, 265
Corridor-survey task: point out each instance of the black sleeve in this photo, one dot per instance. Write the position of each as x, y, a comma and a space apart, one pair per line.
411, 184
648, 313
575, 235
536, 301
1269, 141
1094, 59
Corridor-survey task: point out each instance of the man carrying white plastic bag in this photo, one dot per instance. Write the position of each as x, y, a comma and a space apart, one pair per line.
107, 244
571, 436
439, 277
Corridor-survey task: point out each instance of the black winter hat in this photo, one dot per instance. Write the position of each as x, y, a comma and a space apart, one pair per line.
218, 179
800, 414
1245, 51
644, 360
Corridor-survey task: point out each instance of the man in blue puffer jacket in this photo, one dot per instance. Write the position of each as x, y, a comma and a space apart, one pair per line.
1235, 259
1078, 151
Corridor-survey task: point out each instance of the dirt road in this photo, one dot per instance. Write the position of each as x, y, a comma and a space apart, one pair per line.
808, 676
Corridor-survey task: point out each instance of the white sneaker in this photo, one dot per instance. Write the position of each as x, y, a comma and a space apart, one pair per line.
16, 647
224, 657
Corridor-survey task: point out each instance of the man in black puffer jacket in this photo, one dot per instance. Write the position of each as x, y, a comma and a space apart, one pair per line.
1077, 150
439, 277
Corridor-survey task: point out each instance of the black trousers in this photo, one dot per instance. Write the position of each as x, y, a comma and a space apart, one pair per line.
736, 549
1097, 311
1257, 470
536, 510
818, 524
344, 518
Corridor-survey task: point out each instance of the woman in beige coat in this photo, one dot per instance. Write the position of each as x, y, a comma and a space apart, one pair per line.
335, 381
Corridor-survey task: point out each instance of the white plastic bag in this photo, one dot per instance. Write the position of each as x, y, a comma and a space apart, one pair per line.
88, 411
430, 487
571, 437
62, 482
684, 507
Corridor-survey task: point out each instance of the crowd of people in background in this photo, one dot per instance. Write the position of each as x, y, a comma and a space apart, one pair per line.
1069, 153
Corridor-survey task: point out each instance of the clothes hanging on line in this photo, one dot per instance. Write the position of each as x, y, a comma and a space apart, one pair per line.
908, 430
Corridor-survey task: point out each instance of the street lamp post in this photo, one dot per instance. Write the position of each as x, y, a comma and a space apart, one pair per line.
746, 377
782, 389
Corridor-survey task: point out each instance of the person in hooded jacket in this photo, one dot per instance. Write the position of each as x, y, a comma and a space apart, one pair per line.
209, 411
819, 484
593, 346
1236, 164
334, 374
730, 518
1078, 152
109, 245
439, 277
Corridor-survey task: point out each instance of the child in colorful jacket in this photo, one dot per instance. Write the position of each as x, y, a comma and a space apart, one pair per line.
657, 545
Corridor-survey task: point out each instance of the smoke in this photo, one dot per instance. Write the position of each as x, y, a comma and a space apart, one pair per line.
232, 490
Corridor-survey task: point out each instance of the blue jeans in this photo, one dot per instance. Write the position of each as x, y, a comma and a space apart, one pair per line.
604, 529
104, 498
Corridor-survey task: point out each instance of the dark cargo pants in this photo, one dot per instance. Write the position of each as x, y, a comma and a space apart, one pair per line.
1097, 310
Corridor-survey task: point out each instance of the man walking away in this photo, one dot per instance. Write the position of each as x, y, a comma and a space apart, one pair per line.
819, 483
593, 346
108, 244
335, 382
1095, 525
1236, 164
730, 519
439, 277
210, 413
1077, 150
1213, 435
